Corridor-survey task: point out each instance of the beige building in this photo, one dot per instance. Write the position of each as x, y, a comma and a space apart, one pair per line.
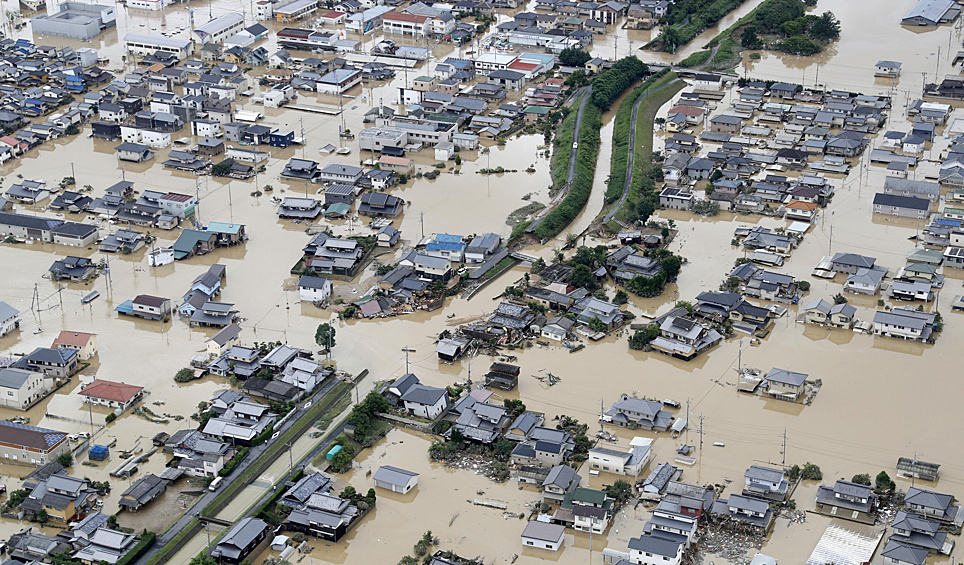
85, 344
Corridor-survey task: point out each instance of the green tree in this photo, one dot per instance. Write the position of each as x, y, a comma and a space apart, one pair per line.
671, 266
456, 438
42, 516
641, 338
883, 482
839, 299
502, 448
826, 27
325, 336
184, 375
582, 277
572, 57
222, 169
731, 284
341, 461
621, 297
514, 406
621, 491
537, 266
811, 472
861, 479
750, 40
203, 559
348, 493
65, 459
597, 325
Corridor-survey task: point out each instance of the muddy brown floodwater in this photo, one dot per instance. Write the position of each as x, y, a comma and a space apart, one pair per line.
881, 398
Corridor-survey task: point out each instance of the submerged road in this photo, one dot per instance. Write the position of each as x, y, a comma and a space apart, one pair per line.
632, 151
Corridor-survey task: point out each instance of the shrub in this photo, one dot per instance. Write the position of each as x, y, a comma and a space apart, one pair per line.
184, 375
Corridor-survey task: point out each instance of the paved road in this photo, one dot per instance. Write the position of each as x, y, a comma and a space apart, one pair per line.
586, 93
253, 455
632, 151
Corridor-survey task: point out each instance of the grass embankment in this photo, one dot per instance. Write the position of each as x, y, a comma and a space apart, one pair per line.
586, 156
620, 154
642, 186
688, 18
559, 163
696, 59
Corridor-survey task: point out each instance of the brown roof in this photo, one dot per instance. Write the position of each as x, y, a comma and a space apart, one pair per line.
148, 300
687, 110
29, 436
108, 390
75, 339
802, 205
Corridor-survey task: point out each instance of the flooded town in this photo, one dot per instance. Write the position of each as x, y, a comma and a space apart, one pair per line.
653, 282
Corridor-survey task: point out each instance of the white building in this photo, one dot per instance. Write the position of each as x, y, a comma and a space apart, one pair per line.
153, 5
425, 401
314, 289
20, 388
652, 550
219, 29
395, 479
144, 44
629, 463
9, 318
544, 535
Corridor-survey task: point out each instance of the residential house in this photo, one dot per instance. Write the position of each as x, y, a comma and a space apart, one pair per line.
905, 206
785, 384
142, 492
111, 394
20, 388
314, 289
933, 505
618, 462
636, 413
744, 510
766, 483
906, 324
424, 401
561, 480
240, 541
847, 500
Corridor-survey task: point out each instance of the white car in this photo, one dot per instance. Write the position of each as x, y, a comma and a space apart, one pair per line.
575, 144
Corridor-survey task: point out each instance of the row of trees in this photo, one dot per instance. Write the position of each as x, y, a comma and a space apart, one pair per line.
611, 83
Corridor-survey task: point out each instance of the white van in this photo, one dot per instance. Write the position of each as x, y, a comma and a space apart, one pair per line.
215, 484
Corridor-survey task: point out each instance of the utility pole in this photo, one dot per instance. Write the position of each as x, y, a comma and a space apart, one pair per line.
197, 198
739, 360
601, 411
470, 374
701, 434
291, 461
407, 350
421, 219
72, 175
784, 446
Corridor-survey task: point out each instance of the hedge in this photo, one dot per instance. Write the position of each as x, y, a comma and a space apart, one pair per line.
147, 540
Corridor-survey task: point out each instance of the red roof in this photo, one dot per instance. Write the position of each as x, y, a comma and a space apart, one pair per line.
175, 197
400, 17
74, 339
108, 390
334, 14
687, 110
522, 66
